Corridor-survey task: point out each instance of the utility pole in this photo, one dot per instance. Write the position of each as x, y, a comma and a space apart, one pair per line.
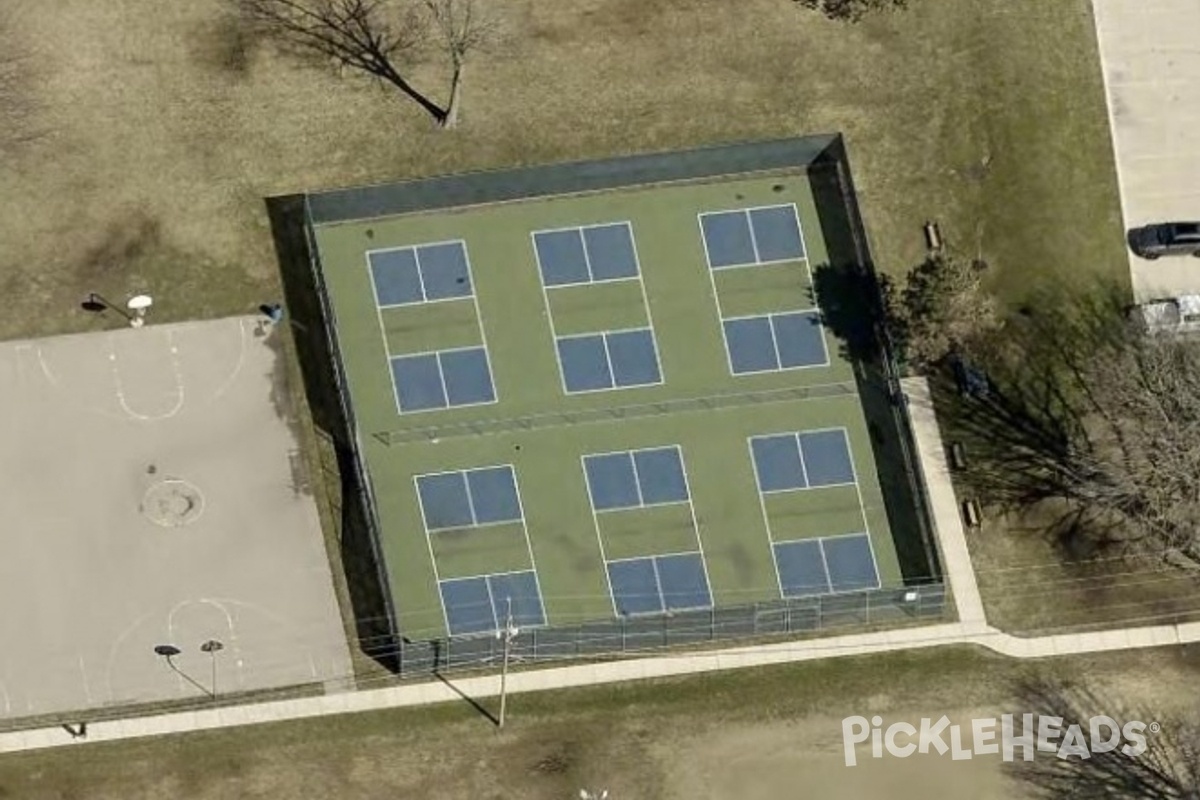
508, 634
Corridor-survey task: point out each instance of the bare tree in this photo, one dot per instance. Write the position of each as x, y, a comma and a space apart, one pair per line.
941, 308
1169, 769
850, 10
382, 38
1093, 413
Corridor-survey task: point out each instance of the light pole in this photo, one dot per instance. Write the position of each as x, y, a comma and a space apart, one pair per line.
508, 634
212, 647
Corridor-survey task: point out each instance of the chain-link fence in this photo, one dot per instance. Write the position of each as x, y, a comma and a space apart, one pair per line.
723, 625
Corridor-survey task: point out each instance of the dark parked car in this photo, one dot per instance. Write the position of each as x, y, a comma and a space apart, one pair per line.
1166, 239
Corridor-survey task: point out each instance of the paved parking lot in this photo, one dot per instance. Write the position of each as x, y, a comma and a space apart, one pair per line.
1151, 59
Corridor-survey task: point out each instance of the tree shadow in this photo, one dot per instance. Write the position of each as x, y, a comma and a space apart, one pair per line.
851, 10
361, 557
850, 294
228, 43
1168, 768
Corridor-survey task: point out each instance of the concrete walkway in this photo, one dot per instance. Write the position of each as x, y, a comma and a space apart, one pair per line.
971, 629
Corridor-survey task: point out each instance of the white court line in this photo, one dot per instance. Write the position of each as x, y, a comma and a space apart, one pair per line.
599, 538
754, 239
387, 353
487, 584
662, 599
419, 303
637, 480
687, 484
707, 586
112, 652
432, 559
762, 505
849, 455
491, 368
874, 562
862, 507
716, 295
87, 689
475, 525
824, 566
803, 466
421, 275
237, 368
120, 392
637, 261
537, 581
437, 357
770, 319
603, 336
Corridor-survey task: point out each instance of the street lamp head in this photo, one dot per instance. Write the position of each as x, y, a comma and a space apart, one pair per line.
166, 650
211, 646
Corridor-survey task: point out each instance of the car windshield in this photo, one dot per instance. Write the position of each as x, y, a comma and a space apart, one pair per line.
1186, 231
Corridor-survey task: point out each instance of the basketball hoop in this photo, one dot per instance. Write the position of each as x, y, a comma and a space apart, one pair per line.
138, 305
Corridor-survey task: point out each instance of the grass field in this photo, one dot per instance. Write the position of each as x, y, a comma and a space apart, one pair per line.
163, 130
579, 551
744, 734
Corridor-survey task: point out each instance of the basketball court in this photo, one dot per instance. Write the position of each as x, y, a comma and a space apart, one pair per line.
153, 496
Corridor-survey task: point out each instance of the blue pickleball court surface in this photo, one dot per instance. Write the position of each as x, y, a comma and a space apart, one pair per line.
747, 237
420, 274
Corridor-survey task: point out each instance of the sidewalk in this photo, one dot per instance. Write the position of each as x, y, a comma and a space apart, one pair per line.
972, 629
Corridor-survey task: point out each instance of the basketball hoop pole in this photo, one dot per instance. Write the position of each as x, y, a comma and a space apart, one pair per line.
138, 304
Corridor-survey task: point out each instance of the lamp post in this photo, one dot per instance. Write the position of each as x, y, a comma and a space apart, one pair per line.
508, 634
212, 647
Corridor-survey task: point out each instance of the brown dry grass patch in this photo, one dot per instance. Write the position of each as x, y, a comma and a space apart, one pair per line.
169, 118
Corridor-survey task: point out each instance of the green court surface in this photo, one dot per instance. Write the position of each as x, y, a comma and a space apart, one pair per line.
573, 551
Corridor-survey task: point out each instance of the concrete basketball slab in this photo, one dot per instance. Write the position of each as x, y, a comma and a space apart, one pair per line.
1152, 75
150, 494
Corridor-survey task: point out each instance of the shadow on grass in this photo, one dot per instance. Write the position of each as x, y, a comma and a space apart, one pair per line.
1030, 440
849, 293
1165, 763
361, 561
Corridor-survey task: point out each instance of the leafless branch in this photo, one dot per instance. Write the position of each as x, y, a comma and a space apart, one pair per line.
1090, 410
381, 38
1169, 769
